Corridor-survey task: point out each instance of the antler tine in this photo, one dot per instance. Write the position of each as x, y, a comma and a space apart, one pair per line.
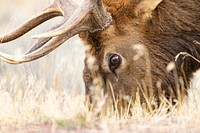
42, 41
37, 45
56, 9
39, 52
68, 7
92, 10
90, 16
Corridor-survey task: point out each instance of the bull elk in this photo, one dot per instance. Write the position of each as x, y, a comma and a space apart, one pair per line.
129, 43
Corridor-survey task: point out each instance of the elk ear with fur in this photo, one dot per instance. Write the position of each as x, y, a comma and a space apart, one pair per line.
145, 8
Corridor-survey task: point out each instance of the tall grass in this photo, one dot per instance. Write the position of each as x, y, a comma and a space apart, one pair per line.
50, 91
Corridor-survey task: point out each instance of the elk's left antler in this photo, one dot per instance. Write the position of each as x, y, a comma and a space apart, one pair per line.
90, 16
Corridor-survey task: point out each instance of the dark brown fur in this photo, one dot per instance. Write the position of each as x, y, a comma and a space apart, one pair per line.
172, 27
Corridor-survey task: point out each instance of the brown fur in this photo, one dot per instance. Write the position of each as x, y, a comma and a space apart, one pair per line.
164, 31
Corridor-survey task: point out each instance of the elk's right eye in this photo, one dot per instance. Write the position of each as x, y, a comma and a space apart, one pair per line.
114, 62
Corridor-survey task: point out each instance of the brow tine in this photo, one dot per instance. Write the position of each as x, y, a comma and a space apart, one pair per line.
40, 52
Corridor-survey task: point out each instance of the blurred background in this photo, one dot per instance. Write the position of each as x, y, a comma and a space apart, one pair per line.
61, 69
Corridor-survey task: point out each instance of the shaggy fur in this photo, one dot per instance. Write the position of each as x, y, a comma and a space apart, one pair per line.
161, 30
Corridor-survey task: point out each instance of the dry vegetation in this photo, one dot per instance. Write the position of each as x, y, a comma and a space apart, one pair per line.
47, 95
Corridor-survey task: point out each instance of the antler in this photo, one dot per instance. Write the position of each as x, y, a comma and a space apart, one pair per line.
90, 16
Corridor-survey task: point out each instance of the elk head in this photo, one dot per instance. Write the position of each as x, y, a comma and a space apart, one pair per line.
129, 42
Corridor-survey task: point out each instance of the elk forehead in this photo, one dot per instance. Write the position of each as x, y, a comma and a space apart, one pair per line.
116, 3
119, 8
129, 30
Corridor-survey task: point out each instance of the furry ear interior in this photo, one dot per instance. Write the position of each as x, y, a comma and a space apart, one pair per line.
145, 7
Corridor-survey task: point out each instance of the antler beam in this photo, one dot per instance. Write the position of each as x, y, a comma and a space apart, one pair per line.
90, 16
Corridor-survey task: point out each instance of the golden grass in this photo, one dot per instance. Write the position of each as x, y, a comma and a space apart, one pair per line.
47, 95
38, 106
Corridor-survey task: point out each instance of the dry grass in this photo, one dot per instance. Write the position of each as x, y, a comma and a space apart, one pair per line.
47, 95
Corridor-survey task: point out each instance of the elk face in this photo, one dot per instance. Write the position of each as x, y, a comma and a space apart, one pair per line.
121, 54
120, 70
123, 63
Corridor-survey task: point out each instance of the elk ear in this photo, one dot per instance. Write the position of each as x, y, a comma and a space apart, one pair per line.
145, 8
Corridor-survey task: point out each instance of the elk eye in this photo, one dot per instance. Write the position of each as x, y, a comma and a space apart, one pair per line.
114, 61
